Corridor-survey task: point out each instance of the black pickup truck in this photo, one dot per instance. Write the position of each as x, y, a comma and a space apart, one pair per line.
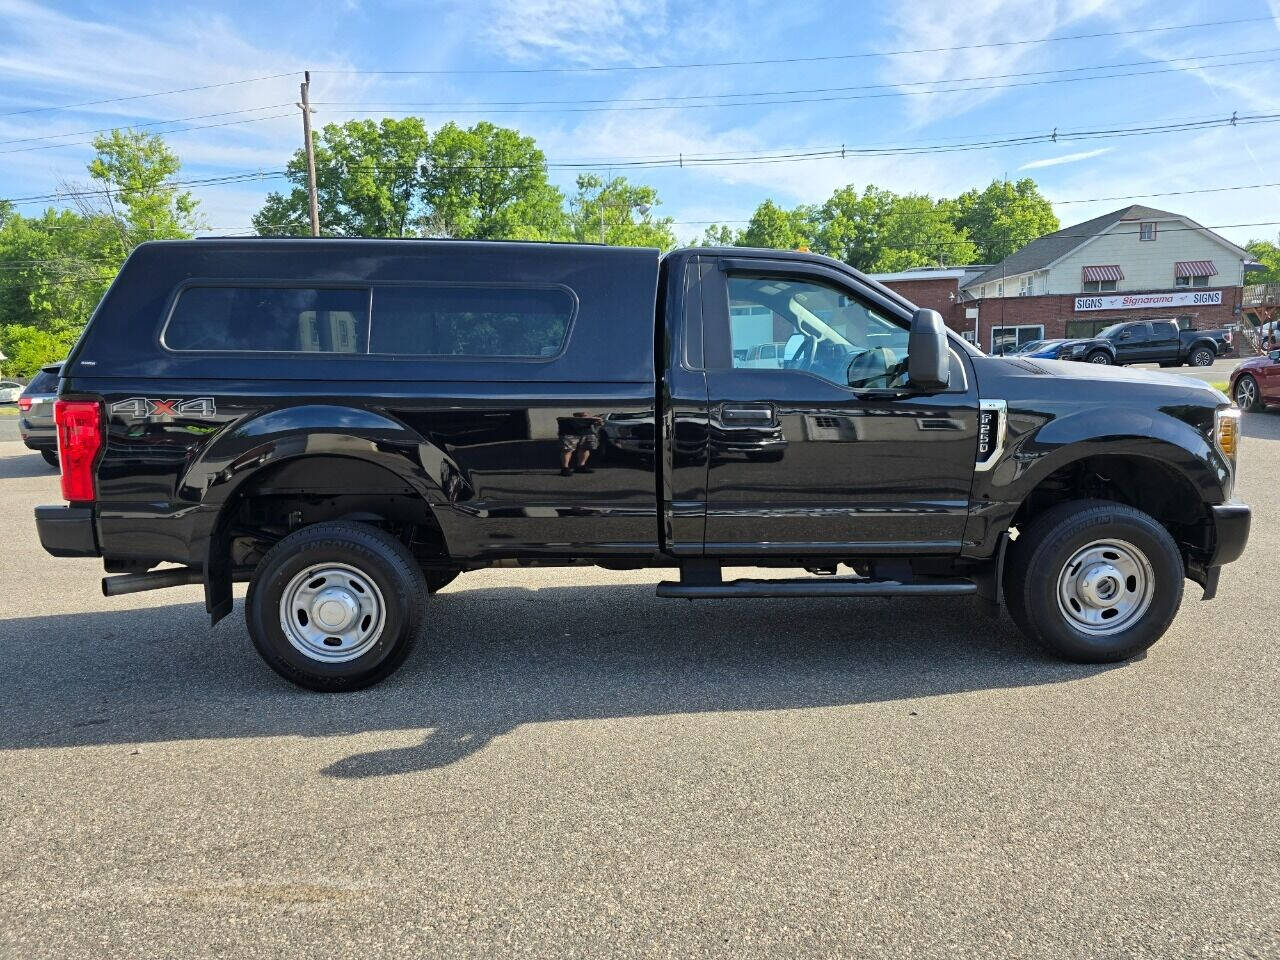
1147, 341
347, 425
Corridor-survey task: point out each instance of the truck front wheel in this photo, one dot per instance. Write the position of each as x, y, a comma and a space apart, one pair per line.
336, 606
1094, 581
1099, 356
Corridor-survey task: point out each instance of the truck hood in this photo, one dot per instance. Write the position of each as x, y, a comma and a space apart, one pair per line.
1099, 373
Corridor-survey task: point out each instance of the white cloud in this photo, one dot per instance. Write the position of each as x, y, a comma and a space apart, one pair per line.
1065, 158
585, 32
942, 23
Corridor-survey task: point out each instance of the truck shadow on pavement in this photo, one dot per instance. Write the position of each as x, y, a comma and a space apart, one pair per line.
498, 658
20, 468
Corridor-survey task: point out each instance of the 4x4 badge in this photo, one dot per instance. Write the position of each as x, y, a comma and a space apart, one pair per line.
144, 408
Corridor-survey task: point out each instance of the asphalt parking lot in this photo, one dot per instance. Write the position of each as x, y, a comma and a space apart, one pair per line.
572, 767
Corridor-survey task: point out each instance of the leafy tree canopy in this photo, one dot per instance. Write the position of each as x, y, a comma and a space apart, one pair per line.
618, 213
1267, 254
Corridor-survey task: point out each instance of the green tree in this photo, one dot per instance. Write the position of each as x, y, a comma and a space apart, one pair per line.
1267, 254
881, 231
134, 168
618, 213
489, 183
1005, 216
719, 235
60, 263
369, 181
775, 228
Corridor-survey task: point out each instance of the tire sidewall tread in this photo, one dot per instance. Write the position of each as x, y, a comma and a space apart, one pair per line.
379, 556
1035, 561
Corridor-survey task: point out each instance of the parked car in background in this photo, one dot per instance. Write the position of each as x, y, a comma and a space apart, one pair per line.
1148, 341
1043, 349
10, 390
1256, 382
765, 356
35, 414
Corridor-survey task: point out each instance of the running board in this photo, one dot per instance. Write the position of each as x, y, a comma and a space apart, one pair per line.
815, 587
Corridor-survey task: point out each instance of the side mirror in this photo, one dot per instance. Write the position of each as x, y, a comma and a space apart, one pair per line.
928, 355
1275, 356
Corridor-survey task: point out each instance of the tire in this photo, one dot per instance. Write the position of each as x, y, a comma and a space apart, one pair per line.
1050, 566
1202, 357
51, 458
1099, 356
365, 579
1247, 395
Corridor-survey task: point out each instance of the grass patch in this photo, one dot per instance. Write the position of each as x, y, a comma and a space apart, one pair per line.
8, 410
1220, 385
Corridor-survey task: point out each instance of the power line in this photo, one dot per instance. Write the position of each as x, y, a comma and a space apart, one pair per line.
147, 123
203, 126
144, 96
808, 90
814, 59
895, 92
763, 158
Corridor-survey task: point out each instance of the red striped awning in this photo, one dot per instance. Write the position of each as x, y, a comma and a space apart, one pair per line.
1195, 268
1112, 272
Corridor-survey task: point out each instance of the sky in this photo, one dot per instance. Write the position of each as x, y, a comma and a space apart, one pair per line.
593, 82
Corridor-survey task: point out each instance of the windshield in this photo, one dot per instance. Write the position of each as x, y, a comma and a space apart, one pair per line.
1108, 332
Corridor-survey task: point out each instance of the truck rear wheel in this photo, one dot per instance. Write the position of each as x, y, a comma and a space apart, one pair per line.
51, 458
336, 606
1201, 357
1094, 581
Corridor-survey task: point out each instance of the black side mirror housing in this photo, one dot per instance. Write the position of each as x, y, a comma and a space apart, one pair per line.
928, 353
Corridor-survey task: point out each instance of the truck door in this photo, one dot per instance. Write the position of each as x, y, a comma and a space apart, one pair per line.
1165, 343
1131, 343
832, 451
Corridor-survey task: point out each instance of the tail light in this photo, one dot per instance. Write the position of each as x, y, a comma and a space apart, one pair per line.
24, 404
79, 443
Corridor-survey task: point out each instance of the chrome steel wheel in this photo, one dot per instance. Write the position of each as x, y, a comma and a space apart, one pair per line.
1105, 587
1246, 393
332, 612
1202, 358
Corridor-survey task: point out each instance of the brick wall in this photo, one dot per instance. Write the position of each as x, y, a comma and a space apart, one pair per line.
940, 293
1051, 311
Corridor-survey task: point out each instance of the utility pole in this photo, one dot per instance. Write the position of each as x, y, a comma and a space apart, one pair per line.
305, 106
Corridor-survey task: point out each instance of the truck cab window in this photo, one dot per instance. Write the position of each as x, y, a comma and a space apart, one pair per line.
783, 324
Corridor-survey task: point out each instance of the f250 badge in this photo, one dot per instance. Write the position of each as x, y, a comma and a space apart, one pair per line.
144, 408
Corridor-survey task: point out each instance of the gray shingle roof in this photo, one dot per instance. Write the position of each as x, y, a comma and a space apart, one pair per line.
1041, 252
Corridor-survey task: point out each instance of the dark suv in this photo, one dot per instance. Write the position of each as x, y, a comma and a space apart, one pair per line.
35, 414
350, 424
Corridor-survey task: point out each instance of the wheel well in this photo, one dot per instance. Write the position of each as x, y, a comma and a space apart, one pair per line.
306, 490
1151, 486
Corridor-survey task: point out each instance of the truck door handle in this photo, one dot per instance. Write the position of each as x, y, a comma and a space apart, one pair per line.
747, 412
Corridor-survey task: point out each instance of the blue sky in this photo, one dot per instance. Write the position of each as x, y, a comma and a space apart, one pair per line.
55, 54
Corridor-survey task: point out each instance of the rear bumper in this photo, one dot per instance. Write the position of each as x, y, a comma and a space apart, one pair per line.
67, 531
38, 436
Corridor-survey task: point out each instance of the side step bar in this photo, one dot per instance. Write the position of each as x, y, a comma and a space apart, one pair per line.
814, 587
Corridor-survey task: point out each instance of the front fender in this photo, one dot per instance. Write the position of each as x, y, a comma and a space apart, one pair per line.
1040, 443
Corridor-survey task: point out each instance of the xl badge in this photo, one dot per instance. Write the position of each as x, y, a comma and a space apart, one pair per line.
144, 408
